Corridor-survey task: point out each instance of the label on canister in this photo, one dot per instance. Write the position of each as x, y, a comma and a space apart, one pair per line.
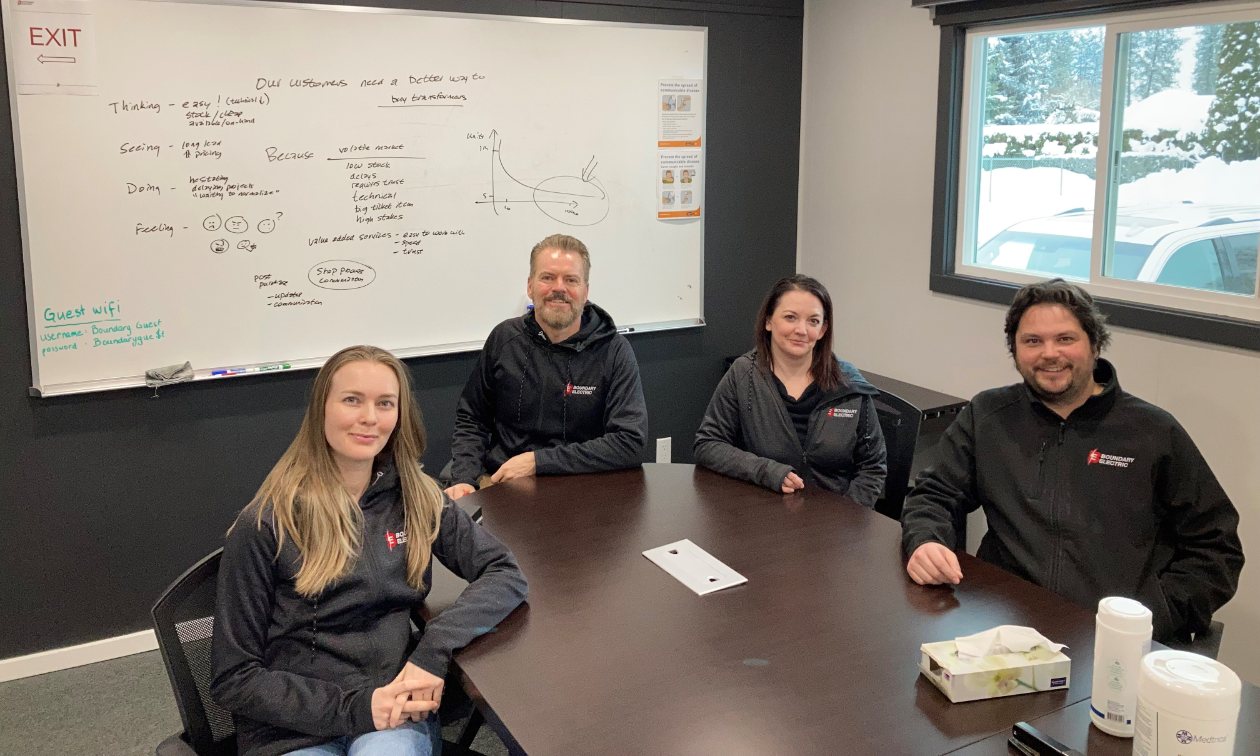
1162, 733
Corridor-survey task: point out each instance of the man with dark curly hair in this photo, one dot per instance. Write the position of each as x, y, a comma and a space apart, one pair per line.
1088, 490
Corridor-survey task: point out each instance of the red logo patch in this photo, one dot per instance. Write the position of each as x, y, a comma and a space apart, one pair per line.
568, 389
1094, 456
396, 539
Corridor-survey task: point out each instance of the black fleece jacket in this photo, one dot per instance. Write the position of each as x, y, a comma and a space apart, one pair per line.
577, 405
1116, 500
747, 434
298, 671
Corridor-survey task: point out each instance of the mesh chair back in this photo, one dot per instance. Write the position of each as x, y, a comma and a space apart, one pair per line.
899, 420
184, 621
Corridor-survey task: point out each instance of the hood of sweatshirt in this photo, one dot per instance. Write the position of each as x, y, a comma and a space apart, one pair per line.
597, 326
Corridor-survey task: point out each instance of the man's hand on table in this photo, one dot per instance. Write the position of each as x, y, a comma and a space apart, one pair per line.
934, 564
520, 466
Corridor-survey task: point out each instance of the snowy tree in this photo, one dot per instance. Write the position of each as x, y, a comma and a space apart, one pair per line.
1016, 91
1152, 61
1207, 55
1232, 131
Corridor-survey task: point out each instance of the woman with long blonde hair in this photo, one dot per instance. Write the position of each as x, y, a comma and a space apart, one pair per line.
325, 569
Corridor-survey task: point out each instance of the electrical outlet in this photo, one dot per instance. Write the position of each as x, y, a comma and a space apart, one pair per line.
664, 450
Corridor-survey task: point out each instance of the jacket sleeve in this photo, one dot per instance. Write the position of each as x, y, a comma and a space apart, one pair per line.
240, 679
870, 455
1203, 573
717, 441
625, 425
496, 586
474, 424
944, 491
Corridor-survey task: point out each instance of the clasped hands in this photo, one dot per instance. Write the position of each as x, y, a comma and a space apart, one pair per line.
413, 694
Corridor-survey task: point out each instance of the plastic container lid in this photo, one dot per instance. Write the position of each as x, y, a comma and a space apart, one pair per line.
1189, 685
1125, 615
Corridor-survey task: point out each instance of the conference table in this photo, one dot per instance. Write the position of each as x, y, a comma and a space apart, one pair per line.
816, 654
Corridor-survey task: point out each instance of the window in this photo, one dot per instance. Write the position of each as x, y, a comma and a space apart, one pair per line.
1120, 151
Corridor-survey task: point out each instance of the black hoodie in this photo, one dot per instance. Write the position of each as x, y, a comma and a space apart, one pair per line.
577, 405
747, 434
1116, 500
298, 671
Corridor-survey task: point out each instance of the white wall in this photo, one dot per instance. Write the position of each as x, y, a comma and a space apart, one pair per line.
867, 165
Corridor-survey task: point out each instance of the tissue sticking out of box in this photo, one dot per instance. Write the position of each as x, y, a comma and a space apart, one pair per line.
1005, 661
1004, 639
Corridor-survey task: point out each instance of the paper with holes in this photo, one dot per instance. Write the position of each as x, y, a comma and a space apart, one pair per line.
694, 567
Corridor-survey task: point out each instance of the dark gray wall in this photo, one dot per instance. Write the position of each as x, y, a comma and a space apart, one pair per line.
106, 498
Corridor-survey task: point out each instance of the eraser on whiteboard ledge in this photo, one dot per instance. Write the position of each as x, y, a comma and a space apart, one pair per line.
166, 376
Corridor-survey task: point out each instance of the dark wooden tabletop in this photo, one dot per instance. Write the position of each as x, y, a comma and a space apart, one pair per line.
930, 403
817, 654
1070, 726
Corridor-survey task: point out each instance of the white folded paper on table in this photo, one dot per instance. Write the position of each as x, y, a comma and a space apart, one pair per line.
694, 567
1004, 639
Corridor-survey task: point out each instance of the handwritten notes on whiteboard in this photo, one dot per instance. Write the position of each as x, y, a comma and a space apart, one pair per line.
256, 184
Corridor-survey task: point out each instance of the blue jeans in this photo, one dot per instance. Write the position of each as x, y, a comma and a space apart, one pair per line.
423, 738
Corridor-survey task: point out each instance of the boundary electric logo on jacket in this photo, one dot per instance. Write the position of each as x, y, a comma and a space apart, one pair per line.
396, 539
841, 412
1097, 458
570, 389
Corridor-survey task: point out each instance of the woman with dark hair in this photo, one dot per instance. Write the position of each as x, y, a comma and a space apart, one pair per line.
788, 413
324, 571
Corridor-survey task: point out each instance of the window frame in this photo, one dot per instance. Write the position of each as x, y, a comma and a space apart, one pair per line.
1217, 317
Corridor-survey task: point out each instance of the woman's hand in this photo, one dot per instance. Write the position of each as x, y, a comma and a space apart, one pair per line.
792, 483
430, 690
387, 713
459, 490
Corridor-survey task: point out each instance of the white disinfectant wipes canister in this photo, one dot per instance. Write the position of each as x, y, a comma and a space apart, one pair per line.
1122, 636
1187, 706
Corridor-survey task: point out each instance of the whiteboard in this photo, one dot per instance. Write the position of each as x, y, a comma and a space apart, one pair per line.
246, 186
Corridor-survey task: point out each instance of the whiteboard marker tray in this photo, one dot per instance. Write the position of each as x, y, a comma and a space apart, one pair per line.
694, 567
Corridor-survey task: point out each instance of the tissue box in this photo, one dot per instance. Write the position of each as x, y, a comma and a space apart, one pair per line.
966, 679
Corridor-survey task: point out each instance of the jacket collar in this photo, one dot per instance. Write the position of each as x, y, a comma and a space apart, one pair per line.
384, 478
854, 381
1095, 406
597, 326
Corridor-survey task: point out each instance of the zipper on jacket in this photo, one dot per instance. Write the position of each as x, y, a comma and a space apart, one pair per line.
1054, 510
1041, 470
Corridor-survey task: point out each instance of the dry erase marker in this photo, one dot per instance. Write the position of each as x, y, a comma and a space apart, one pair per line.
227, 372
282, 366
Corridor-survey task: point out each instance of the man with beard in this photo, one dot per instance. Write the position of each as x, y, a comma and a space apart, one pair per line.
1088, 490
554, 392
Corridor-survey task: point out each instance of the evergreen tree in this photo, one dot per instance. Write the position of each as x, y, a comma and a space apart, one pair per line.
1020, 81
1232, 131
1207, 55
1152, 62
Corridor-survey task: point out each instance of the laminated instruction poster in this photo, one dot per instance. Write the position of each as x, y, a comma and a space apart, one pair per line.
681, 118
679, 189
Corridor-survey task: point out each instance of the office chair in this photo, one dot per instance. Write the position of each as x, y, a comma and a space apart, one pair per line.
900, 421
183, 618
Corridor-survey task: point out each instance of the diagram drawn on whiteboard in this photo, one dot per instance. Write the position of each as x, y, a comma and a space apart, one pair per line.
572, 200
